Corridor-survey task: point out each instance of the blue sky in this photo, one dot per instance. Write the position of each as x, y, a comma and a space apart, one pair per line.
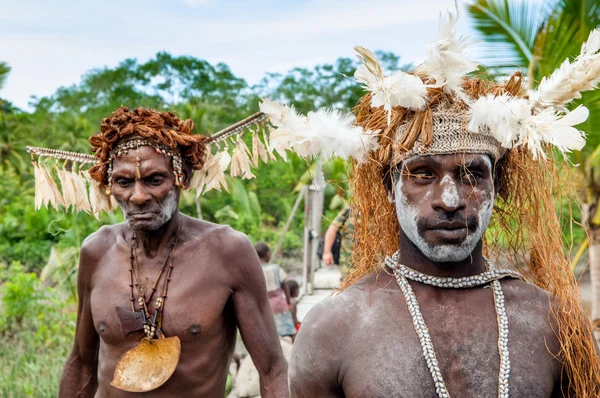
51, 43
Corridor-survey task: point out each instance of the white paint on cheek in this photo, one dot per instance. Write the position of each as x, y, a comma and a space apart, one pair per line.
408, 216
449, 192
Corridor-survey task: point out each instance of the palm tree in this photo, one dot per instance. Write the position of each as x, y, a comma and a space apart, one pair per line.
4, 69
536, 38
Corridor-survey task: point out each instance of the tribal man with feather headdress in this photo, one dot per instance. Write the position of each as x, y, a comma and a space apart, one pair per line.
160, 296
440, 158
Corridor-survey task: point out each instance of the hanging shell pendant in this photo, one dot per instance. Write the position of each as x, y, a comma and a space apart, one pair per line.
148, 365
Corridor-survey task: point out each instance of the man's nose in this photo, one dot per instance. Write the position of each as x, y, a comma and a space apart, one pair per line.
448, 196
139, 195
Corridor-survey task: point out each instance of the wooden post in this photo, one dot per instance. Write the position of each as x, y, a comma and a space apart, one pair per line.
287, 225
307, 285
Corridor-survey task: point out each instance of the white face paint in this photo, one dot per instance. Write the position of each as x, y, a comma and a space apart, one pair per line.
168, 207
408, 217
450, 193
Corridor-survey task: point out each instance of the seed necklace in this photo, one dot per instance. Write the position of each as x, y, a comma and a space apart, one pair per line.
152, 322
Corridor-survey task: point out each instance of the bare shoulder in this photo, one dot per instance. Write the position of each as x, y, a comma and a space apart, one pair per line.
343, 314
530, 311
230, 249
528, 295
226, 238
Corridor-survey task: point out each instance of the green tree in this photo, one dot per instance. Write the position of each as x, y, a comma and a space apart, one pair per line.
4, 69
537, 38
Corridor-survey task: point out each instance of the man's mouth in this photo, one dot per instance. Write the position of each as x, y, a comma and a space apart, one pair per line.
451, 231
142, 216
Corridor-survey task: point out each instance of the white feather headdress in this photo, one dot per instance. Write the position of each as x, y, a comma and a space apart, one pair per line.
324, 133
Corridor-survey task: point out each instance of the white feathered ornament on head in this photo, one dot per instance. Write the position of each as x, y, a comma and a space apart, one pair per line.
517, 119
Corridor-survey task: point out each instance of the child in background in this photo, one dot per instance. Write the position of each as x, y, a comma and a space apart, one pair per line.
294, 290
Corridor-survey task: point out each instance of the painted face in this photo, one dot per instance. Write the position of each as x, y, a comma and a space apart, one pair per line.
444, 203
149, 201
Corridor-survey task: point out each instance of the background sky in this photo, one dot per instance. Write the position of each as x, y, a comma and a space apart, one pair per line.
51, 43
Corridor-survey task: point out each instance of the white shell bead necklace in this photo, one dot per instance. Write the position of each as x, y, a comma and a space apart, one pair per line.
492, 276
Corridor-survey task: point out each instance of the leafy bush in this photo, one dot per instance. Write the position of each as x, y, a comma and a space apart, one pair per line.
36, 332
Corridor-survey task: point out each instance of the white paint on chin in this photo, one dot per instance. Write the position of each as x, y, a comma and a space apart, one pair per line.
167, 210
408, 217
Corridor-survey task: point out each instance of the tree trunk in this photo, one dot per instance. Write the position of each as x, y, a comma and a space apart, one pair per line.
594, 237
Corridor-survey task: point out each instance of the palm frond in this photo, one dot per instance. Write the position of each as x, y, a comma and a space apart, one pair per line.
4, 69
509, 30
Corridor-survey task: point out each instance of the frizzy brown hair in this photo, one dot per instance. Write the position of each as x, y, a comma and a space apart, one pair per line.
524, 220
163, 128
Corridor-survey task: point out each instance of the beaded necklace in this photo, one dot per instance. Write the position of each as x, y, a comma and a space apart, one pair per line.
492, 276
152, 322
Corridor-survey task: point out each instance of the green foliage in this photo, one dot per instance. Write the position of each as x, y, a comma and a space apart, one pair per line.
4, 69
36, 332
536, 38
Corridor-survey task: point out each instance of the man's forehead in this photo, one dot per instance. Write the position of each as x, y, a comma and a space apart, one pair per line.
149, 159
452, 160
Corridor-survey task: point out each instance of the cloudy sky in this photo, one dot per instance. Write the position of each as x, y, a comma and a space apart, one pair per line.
51, 43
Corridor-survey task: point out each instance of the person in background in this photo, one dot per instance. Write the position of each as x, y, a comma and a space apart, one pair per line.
247, 378
338, 238
278, 292
294, 290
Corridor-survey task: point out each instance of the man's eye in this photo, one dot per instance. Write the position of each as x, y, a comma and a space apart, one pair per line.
421, 175
156, 180
123, 182
470, 175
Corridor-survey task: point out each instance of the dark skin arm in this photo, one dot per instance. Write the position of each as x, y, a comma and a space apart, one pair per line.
255, 318
79, 377
328, 243
315, 363
286, 290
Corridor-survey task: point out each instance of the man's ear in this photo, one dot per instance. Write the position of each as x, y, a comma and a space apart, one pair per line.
187, 175
498, 176
387, 178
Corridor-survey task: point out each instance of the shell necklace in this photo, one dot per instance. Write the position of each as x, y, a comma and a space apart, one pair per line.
492, 276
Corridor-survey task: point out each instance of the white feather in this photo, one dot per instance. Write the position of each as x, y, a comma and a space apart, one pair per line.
567, 82
400, 89
501, 114
447, 61
322, 133
212, 174
290, 126
514, 122
334, 134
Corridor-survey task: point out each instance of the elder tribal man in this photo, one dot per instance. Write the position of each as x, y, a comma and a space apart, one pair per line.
211, 273
425, 313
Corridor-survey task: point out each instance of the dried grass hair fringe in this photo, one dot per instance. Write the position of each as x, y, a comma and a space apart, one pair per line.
163, 128
524, 221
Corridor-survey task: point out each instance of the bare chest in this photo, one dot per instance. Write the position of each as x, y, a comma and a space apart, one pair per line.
464, 333
196, 301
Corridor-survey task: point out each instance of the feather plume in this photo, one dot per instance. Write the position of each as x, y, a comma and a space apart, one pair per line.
212, 174
446, 60
268, 147
290, 126
322, 133
514, 122
50, 191
99, 200
567, 82
334, 134
240, 162
399, 89
68, 189
258, 150
42, 188
82, 202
